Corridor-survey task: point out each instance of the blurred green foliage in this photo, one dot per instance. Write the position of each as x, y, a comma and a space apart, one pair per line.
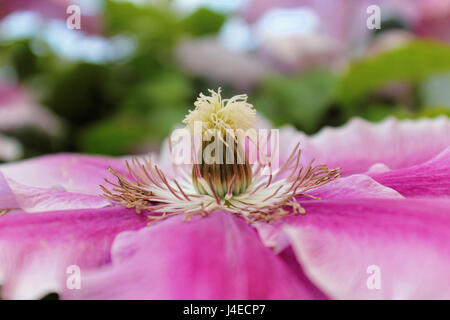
82, 94
411, 63
117, 107
151, 94
301, 100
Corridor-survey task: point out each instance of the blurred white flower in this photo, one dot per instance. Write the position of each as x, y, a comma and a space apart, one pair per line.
10, 149
389, 40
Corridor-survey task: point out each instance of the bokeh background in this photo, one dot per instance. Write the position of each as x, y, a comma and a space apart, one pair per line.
120, 83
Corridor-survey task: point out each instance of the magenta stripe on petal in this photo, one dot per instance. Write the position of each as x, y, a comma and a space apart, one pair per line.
430, 179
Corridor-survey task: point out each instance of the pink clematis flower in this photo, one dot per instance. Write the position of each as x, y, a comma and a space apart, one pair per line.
389, 210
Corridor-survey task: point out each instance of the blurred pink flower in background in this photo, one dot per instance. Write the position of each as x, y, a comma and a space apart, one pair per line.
209, 58
54, 9
391, 209
434, 21
48, 8
343, 19
18, 109
336, 30
329, 32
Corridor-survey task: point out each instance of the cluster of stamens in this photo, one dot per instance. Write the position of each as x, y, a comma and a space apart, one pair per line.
254, 191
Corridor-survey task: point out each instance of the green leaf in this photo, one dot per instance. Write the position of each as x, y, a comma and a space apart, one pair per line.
411, 63
154, 27
81, 94
24, 60
157, 26
113, 136
123, 132
202, 22
128, 17
378, 111
147, 114
432, 112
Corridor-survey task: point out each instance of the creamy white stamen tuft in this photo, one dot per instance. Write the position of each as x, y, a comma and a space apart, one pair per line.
216, 113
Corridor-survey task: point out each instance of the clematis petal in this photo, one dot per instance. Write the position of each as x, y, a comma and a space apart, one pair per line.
32, 199
7, 197
357, 186
59, 182
70, 172
217, 257
430, 179
36, 249
372, 249
359, 144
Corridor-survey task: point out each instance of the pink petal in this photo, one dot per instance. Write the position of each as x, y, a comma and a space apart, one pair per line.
217, 257
36, 249
406, 240
430, 179
378, 168
356, 186
57, 182
7, 197
70, 172
359, 144
32, 199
